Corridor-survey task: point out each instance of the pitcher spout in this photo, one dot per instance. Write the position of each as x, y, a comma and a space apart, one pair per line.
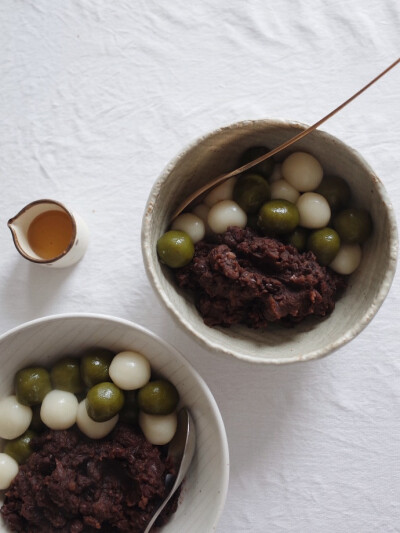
47, 233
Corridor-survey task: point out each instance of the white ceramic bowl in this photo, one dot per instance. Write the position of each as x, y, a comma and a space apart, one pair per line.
217, 153
45, 340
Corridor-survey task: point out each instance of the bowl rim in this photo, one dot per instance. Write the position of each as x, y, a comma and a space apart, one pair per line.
221, 493
217, 347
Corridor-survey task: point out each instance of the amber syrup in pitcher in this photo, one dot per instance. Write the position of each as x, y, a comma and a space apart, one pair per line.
50, 234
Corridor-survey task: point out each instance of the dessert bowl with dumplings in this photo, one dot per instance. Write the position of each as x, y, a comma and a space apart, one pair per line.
287, 261
88, 407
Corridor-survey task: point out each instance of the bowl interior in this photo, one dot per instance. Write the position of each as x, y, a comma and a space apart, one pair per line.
44, 341
218, 152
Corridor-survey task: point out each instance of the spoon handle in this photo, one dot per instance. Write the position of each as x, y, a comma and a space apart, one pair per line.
162, 506
181, 450
224, 177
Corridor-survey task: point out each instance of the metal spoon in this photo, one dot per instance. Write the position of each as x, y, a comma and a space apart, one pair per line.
181, 450
224, 177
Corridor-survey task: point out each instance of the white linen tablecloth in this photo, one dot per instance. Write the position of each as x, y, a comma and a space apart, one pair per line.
96, 97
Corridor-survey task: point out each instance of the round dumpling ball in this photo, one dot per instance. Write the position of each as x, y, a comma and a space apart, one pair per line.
303, 171
336, 190
20, 448
104, 401
314, 210
282, 190
325, 244
278, 217
254, 152
224, 191
298, 238
224, 214
354, 225
8, 470
59, 409
190, 224
158, 397
130, 370
15, 418
92, 429
201, 211
31, 385
276, 173
175, 248
251, 192
158, 429
347, 259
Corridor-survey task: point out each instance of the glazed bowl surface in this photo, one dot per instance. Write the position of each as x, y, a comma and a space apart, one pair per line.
218, 152
45, 340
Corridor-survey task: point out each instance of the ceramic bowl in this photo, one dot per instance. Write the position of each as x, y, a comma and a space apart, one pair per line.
217, 153
45, 340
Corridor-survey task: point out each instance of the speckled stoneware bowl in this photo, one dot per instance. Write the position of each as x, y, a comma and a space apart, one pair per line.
218, 152
45, 340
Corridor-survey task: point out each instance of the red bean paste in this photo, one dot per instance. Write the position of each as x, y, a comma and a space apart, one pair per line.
72, 484
245, 278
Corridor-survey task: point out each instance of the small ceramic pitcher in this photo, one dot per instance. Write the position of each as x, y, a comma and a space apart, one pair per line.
42, 222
